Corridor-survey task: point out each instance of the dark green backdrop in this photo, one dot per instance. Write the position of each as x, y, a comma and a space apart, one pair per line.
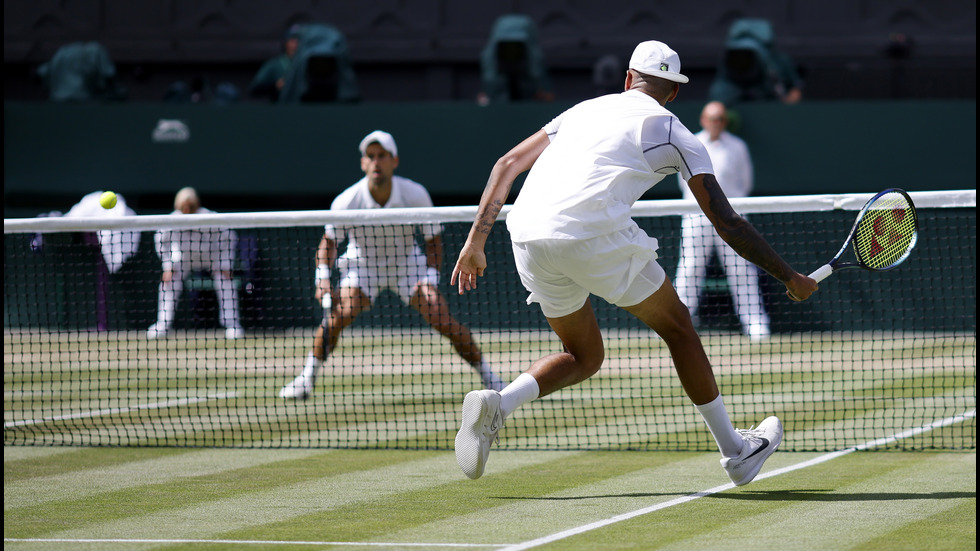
260, 156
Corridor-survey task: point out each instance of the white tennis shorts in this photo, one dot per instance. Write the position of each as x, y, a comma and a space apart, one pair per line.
401, 276
560, 274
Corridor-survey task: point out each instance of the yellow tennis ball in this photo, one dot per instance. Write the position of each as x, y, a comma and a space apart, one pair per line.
108, 200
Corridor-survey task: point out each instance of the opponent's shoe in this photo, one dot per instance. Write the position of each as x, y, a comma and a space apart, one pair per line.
478, 431
299, 389
234, 333
157, 331
758, 444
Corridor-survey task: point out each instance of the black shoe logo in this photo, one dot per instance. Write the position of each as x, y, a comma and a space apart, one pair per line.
765, 444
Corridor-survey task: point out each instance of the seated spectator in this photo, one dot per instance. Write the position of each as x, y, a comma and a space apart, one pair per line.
270, 79
512, 64
184, 251
321, 69
80, 71
752, 69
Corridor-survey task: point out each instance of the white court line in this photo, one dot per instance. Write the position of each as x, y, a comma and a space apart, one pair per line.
718, 489
558, 535
253, 542
116, 411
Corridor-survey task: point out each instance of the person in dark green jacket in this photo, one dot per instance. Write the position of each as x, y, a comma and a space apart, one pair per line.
272, 75
80, 71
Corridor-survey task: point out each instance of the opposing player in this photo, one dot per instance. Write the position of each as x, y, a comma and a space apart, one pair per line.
573, 236
379, 258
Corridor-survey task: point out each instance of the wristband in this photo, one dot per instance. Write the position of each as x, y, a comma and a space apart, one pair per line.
432, 276
322, 272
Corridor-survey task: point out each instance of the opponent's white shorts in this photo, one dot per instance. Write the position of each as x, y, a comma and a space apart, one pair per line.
373, 277
560, 274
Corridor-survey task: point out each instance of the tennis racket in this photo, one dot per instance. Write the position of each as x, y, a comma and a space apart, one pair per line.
883, 235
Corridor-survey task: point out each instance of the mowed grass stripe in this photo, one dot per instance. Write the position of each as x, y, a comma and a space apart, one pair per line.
459, 510
250, 500
843, 504
568, 493
90, 474
189, 506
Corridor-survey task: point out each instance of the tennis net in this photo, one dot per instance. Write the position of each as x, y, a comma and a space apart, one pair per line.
869, 355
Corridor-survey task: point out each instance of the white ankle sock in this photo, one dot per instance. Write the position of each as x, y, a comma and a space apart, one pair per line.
716, 417
516, 394
487, 376
312, 363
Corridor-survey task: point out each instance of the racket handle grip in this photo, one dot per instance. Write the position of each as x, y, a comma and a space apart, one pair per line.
327, 301
822, 272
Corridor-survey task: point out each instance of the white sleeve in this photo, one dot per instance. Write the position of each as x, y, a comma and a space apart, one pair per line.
552, 127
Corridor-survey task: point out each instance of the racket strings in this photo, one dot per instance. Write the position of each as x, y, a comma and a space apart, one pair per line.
886, 232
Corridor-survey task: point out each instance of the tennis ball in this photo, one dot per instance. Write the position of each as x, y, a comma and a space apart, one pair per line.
108, 200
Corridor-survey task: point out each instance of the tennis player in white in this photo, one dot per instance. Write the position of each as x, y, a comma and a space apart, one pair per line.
379, 258
573, 236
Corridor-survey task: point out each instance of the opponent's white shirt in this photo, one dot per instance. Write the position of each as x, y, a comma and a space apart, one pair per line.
381, 245
604, 154
732, 164
197, 248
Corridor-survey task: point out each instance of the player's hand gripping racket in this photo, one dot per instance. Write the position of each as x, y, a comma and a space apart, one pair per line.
883, 235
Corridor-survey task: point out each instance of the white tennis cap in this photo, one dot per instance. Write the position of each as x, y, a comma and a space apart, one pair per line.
383, 139
657, 59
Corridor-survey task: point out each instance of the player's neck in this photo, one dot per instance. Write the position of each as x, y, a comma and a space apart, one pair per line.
380, 191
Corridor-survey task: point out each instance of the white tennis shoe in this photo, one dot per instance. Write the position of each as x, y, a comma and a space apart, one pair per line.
481, 423
234, 333
299, 389
758, 444
157, 331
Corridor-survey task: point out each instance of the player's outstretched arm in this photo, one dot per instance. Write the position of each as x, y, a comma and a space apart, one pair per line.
472, 260
745, 239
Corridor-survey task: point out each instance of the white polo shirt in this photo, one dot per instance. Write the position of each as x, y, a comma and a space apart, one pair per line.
604, 154
381, 245
732, 163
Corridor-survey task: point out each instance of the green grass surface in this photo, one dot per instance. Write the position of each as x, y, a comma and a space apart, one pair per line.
212, 499
402, 388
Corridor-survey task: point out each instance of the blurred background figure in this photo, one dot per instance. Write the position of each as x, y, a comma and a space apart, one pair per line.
115, 247
512, 65
752, 69
184, 251
270, 79
79, 72
608, 75
321, 69
199, 90
700, 242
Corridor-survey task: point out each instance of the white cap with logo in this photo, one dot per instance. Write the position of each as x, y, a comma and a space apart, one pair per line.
657, 59
383, 139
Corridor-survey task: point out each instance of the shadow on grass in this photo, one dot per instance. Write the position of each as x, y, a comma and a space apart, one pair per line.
788, 495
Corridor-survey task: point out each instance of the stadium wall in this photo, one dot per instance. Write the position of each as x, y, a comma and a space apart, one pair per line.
260, 157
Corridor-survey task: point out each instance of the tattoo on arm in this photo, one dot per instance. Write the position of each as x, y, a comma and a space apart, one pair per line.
744, 238
488, 217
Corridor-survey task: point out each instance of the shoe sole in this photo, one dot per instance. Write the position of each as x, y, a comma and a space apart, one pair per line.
468, 453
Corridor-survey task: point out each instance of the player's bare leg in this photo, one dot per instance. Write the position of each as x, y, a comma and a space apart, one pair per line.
435, 310
583, 355
743, 451
352, 302
669, 317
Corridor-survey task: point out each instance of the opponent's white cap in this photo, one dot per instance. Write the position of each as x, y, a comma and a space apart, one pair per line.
383, 139
657, 59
